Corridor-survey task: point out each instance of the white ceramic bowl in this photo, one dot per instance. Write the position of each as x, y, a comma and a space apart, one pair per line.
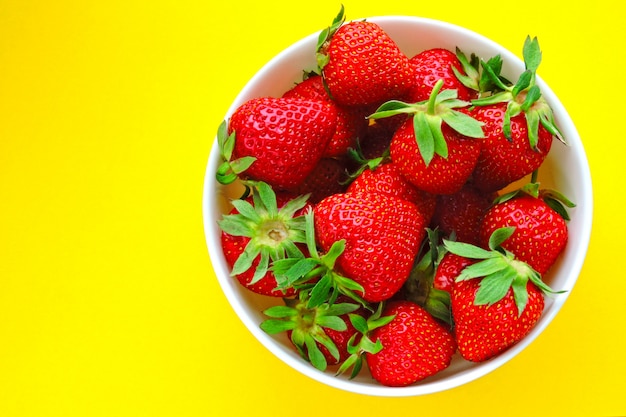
566, 169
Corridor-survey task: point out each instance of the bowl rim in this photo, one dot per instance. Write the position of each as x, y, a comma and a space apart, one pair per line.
583, 214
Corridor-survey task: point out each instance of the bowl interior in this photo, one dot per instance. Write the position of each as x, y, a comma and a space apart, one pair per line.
566, 169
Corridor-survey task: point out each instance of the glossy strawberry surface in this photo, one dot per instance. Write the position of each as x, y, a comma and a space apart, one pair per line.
387, 179
483, 331
351, 121
503, 161
441, 175
382, 235
431, 66
540, 232
415, 346
286, 136
365, 66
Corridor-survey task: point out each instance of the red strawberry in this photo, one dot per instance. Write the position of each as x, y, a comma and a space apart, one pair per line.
540, 231
382, 237
361, 64
285, 137
435, 149
414, 346
442, 174
448, 270
431, 66
496, 301
503, 160
483, 331
519, 126
461, 213
386, 179
260, 230
320, 334
328, 177
351, 122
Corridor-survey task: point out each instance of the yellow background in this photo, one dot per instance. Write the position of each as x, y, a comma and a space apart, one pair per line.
108, 303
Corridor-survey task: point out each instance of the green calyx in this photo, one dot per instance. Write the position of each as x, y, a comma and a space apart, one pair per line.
356, 154
307, 326
273, 232
498, 271
325, 36
316, 272
428, 117
361, 343
523, 97
229, 170
478, 74
553, 198
419, 286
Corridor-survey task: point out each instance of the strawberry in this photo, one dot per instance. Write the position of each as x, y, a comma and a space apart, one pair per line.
386, 179
435, 149
282, 139
448, 269
431, 66
361, 64
520, 127
414, 346
483, 331
461, 213
502, 160
496, 301
540, 231
259, 230
327, 178
382, 235
320, 334
351, 122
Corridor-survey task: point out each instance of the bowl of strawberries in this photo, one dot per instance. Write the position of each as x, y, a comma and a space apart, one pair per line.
396, 206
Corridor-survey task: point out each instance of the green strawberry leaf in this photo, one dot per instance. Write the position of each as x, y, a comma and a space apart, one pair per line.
532, 95
332, 322
498, 271
277, 326
320, 292
499, 236
467, 250
324, 37
244, 261
471, 76
464, 124
531, 53
339, 309
229, 170
359, 323
365, 344
483, 268
316, 357
523, 83
424, 137
247, 211
493, 287
280, 312
520, 294
392, 108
